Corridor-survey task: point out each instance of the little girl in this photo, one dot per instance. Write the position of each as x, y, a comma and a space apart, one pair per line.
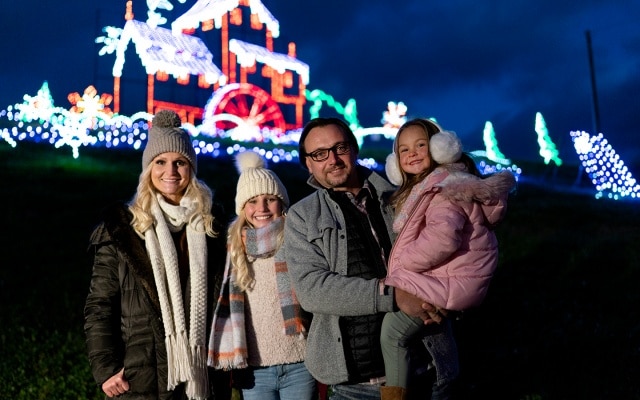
446, 250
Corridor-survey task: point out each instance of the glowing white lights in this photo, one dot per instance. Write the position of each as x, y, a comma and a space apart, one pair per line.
604, 167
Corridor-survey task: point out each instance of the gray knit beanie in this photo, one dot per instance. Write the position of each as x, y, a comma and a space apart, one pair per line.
255, 180
166, 136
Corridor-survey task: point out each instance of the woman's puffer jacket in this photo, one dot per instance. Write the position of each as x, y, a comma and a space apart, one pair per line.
123, 321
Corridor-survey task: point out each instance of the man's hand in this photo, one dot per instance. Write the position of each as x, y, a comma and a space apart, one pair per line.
416, 307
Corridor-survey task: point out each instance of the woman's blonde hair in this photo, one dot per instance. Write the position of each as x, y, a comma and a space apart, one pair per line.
140, 205
237, 252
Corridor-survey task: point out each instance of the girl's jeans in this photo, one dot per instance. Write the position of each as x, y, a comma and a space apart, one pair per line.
277, 382
397, 331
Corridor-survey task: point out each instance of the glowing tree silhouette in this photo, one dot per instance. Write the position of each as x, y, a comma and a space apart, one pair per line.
38, 107
491, 144
548, 149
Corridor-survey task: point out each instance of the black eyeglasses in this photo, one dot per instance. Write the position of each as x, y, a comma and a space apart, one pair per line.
322, 154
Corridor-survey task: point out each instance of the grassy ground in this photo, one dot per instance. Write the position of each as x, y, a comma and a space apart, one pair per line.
560, 321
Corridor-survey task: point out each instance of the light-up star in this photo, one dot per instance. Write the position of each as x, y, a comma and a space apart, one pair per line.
110, 41
395, 115
90, 105
74, 132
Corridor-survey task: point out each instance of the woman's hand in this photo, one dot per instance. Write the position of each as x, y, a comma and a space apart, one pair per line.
116, 385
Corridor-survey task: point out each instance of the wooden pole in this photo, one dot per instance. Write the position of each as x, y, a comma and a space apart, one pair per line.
594, 97
594, 91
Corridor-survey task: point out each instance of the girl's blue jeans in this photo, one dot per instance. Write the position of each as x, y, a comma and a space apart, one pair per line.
277, 382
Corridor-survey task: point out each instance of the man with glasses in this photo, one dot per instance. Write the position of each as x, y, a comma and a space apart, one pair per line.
337, 241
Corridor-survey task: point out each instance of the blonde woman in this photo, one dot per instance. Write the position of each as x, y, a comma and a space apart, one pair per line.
155, 263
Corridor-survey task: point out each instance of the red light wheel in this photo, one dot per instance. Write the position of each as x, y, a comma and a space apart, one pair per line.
250, 103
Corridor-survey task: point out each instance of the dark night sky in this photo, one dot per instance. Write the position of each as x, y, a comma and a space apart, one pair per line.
463, 62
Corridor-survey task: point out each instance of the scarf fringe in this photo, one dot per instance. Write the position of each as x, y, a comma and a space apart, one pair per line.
199, 388
178, 355
226, 364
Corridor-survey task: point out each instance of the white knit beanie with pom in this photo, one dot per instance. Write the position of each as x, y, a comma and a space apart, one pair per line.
166, 136
255, 179
445, 148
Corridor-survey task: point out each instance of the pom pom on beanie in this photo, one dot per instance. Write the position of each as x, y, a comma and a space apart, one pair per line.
166, 136
255, 179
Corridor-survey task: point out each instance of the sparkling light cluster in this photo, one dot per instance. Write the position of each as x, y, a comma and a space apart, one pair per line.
93, 124
38, 120
131, 133
603, 165
488, 169
63, 128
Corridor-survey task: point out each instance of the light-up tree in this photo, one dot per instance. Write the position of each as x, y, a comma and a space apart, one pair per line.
548, 149
395, 115
491, 144
38, 107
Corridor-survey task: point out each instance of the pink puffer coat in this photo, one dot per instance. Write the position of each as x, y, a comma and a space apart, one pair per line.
446, 250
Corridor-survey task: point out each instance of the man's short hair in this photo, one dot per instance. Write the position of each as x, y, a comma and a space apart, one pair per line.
319, 122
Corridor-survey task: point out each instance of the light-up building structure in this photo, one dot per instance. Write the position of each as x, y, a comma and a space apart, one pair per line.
248, 80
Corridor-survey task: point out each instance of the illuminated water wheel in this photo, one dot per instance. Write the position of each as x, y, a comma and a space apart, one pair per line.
248, 102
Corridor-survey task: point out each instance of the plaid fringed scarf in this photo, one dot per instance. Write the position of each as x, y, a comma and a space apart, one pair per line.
227, 343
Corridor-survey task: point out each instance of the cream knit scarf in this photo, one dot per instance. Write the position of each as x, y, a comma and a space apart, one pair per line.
186, 349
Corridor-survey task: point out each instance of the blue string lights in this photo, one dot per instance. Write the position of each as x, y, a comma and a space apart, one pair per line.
607, 171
